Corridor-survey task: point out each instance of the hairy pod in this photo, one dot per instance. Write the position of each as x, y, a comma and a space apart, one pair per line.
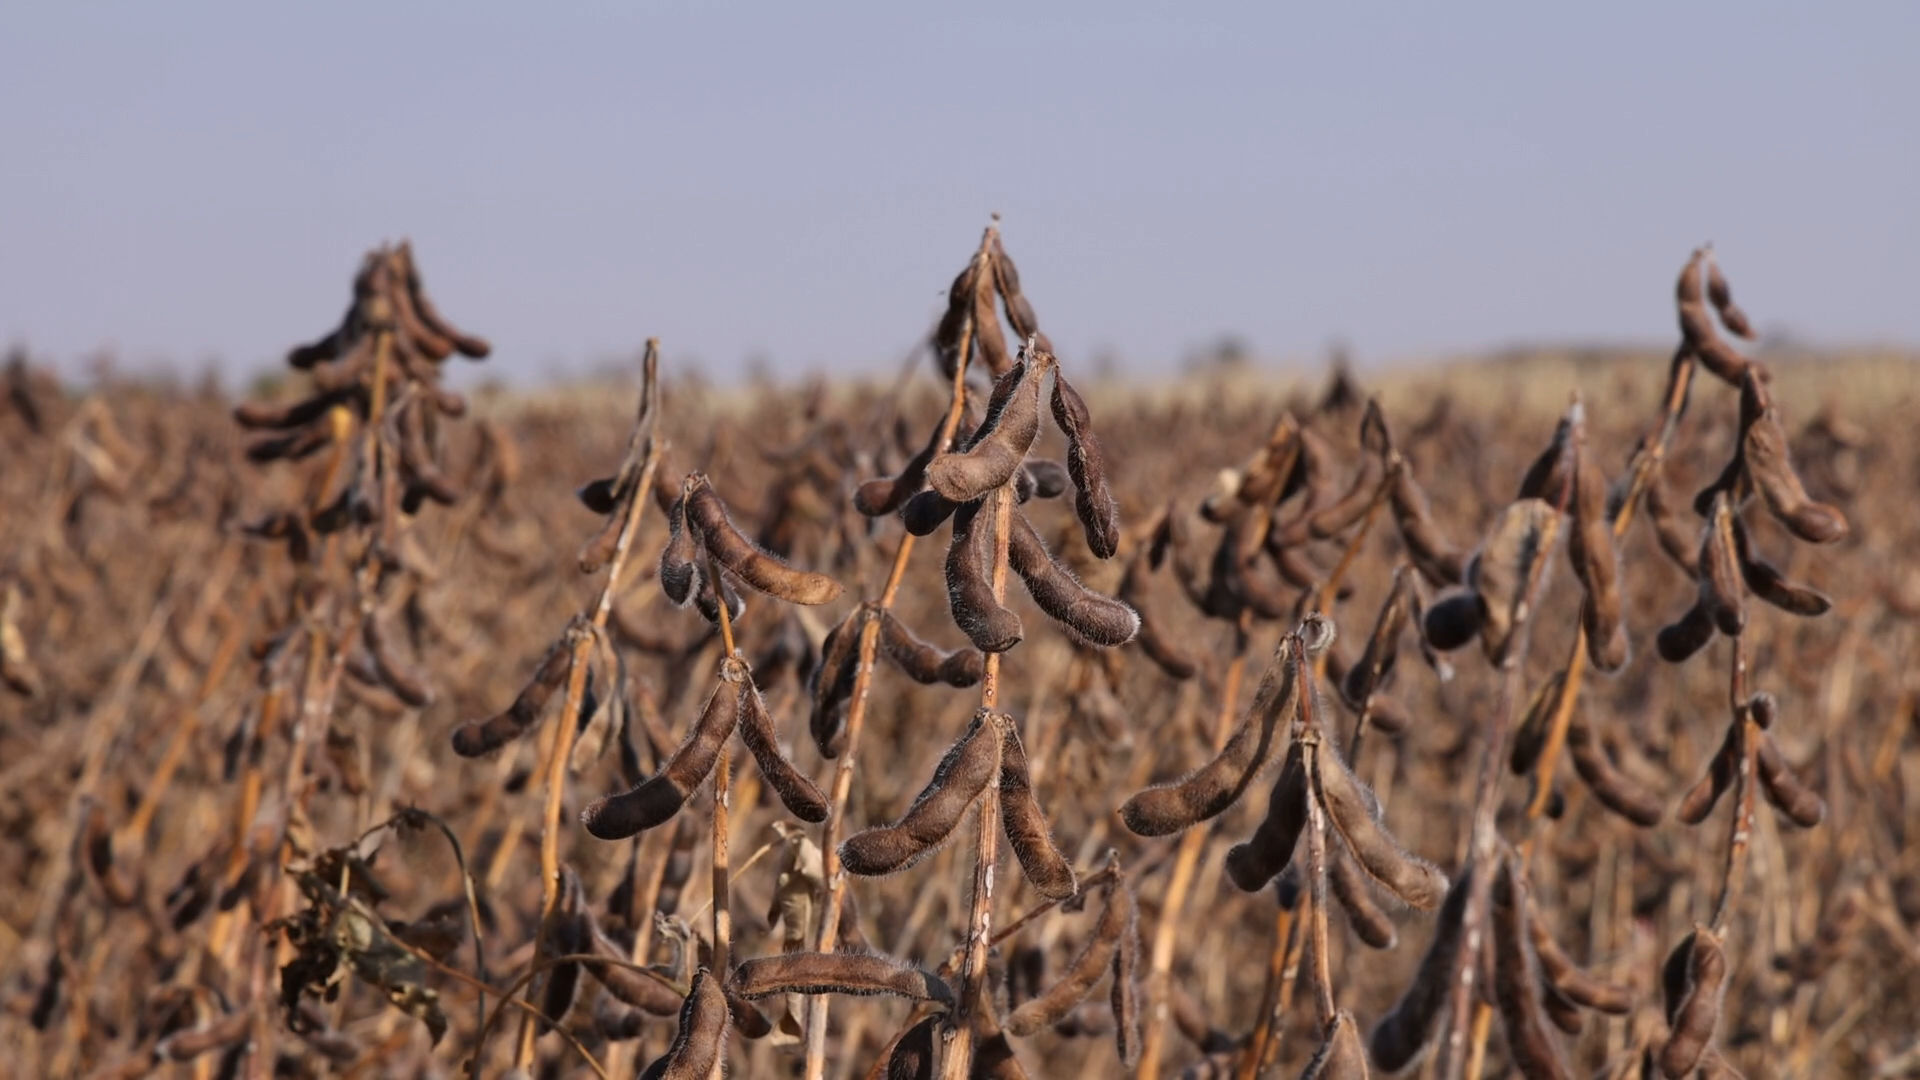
1568, 979
1766, 582
1042, 479
680, 561
1721, 294
837, 973
1597, 565
1696, 978
925, 512
1764, 450
1721, 589
955, 322
923, 663
702, 1039
1095, 619
1517, 986
1003, 439
1006, 278
831, 683
797, 793
1404, 1032
1207, 791
1341, 1055
657, 799
707, 603
1452, 621
1784, 789
1047, 869
1176, 662
1093, 500
708, 517
566, 935
1721, 771
1433, 555
1616, 790
1351, 811
1349, 889
1082, 975
886, 494
1504, 568
1679, 640
1251, 865
989, 339
479, 737
969, 766
645, 992
985, 621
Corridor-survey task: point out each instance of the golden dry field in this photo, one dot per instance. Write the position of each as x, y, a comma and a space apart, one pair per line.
1539, 716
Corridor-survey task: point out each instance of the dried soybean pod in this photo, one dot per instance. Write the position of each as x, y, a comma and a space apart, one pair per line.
1341, 1056
478, 737
923, 663
1403, 1033
1081, 976
1346, 511
1170, 658
797, 793
1517, 985
885, 494
1049, 478
1530, 738
1251, 865
1696, 1011
1547, 476
1350, 810
1452, 621
1093, 500
957, 318
1123, 993
1678, 541
985, 621
1681, 639
474, 348
396, 674
1433, 555
657, 799
989, 339
708, 604
1369, 923
1700, 335
831, 684
1700, 799
837, 973
1767, 583
1048, 870
1768, 462
259, 417
1095, 619
702, 1039
679, 867
1383, 647
1597, 565
1207, 791
708, 517
680, 561
1616, 790
566, 935
1721, 294
963, 775
1784, 790
1721, 589
1504, 566
1569, 979
1006, 278
925, 512
912, 1056
1003, 439
644, 992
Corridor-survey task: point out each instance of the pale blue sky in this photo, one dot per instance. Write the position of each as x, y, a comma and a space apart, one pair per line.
183, 181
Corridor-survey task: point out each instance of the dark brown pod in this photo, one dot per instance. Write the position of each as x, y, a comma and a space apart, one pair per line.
1349, 890
1721, 294
1452, 621
888, 493
1681, 639
1597, 565
1170, 658
1530, 738
474, 348
1721, 589
1694, 1011
1404, 1032
1764, 451
680, 561
912, 1056
702, 1039
1351, 810
708, 516
797, 793
1074, 985
1251, 865
1784, 790
986, 622
923, 663
1680, 542
1517, 984
831, 683
1570, 980
1433, 555
837, 973
1616, 790
1002, 441
1700, 799
484, 736
657, 799
1093, 500
1767, 583
1047, 869
969, 766
1093, 618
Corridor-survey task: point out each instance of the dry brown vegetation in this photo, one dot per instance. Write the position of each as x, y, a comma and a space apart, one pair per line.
1458, 724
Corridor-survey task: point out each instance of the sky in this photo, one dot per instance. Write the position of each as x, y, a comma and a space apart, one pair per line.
792, 186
